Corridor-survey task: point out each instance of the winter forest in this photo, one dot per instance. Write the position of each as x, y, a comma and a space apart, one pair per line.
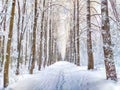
59, 44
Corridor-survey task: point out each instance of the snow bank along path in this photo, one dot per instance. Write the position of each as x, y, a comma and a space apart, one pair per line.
66, 76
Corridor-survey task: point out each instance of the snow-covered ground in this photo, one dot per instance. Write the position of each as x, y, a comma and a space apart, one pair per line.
0, 81
65, 76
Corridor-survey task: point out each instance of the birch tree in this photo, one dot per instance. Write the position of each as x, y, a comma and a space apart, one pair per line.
107, 45
78, 36
74, 28
6, 66
18, 35
89, 40
34, 39
20, 32
41, 35
4, 29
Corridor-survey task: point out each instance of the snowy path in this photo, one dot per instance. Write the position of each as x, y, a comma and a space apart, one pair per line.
66, 76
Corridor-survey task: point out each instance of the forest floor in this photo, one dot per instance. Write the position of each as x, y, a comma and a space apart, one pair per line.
65, 76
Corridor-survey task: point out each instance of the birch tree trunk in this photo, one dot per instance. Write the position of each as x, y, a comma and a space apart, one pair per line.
6, 66
74, 29
41, 36
107, 47
34, 39
78, 36
89, 40
4, 28
18, 34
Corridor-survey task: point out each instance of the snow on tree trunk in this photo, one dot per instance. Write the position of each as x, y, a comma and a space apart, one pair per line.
107, 46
